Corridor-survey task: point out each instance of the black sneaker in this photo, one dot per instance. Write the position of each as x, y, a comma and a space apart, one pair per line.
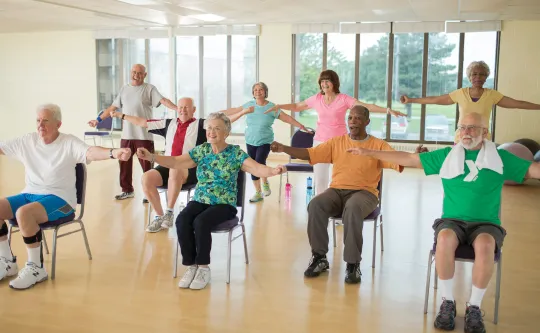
445, 318
144, 200
473, 320
353, 273
317, 265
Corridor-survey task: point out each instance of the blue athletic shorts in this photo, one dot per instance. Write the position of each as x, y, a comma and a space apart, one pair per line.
55, 207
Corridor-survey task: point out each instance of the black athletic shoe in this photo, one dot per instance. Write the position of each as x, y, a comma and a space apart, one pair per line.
144, 200
353, 273
445, 318
317, 265
473, 320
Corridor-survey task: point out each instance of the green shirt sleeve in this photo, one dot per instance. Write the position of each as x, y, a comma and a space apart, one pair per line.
197, 153
433, 161
514, 168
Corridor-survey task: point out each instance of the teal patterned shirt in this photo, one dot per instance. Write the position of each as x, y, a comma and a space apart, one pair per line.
217, 174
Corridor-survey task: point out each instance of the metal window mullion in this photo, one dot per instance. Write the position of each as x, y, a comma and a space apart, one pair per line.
357, 66
390, 83
257, 58
147, 55
495, 83
201, 77
460, 71
324, 51
293, 78
425, 64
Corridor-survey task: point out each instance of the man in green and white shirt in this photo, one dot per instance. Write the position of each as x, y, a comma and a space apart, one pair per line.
473, 173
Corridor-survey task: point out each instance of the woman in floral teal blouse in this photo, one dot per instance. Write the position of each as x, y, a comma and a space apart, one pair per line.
214, 202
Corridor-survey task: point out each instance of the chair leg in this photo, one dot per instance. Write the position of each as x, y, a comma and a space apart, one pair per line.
149, 214
381, 227
94, 138
374, 243
229, 243
436, 277
280, 184
9, 233
53, 269
85, 237
175, 261
497, 291
245, 243
45, 242
428, 278
334, 231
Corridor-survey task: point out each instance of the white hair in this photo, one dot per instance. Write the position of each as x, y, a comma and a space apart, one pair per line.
53, 108
474, 64
223, 117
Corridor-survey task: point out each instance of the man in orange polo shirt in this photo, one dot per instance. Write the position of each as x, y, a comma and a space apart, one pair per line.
353, 192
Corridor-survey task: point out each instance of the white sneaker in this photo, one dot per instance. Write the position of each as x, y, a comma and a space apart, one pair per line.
167, 220
266, 189
155, 225
8, 267
29, 276
201, 278
188, 277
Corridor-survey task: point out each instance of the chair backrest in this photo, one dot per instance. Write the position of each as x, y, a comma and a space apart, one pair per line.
379, 188
241, 192
301, 139
80, 185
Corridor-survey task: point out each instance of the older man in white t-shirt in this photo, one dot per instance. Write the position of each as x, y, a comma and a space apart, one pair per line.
49, 158
135, 99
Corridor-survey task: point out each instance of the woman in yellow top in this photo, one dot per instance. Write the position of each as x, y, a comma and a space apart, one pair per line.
476, 98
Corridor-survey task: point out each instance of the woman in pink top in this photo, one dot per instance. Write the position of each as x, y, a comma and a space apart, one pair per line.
331, 107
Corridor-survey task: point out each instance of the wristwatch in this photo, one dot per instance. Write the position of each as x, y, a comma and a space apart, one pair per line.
110, 154
123, 116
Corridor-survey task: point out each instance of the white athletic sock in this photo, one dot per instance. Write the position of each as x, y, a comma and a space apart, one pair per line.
447, 289
170, 210
5, 250
34, 255
476, 296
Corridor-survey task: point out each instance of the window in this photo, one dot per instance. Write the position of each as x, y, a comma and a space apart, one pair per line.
373, 69
309, 52
134, 53
480, 46
214, 74
340, 58
407, 80
442, 76
159, 75
109, 71
188, 69
243, 74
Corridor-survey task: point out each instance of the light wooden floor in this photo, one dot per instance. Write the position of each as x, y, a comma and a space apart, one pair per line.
128, 286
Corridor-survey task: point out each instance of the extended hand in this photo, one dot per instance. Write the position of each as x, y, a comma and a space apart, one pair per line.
93, 123
357, 151
116, 114
122, 154
276, 147
144, 154
404, 99
397, 113
272, 109
421, 149
249, 110
279, 170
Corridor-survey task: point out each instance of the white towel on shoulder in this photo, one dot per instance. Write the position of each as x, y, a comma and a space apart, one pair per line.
454, 164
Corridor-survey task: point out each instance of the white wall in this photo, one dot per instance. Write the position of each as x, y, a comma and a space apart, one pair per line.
52, 67
519, 78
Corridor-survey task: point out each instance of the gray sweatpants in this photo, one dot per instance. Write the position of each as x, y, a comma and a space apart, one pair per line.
354, 206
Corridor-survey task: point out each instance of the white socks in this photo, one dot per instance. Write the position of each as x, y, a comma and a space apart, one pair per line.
34, 255
5, 251
476, 296
170, 210
447, 289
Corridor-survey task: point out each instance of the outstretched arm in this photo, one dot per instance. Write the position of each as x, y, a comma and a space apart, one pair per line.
299, 153
396, 157
378, 109
172, 162
260, 170
95, 153
137, 121
510, 103
290, 120
231, 111
439, 100
168, 103
235, 115
294, 107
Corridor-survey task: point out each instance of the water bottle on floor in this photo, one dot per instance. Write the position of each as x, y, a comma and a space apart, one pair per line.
309, 191
287, 191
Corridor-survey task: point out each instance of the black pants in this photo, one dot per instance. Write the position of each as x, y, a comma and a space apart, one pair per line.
259, 154
194, 225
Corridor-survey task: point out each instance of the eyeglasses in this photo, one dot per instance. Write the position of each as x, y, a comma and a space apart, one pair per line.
472, 128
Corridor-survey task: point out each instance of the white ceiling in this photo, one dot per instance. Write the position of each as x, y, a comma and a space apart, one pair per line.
40, 15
